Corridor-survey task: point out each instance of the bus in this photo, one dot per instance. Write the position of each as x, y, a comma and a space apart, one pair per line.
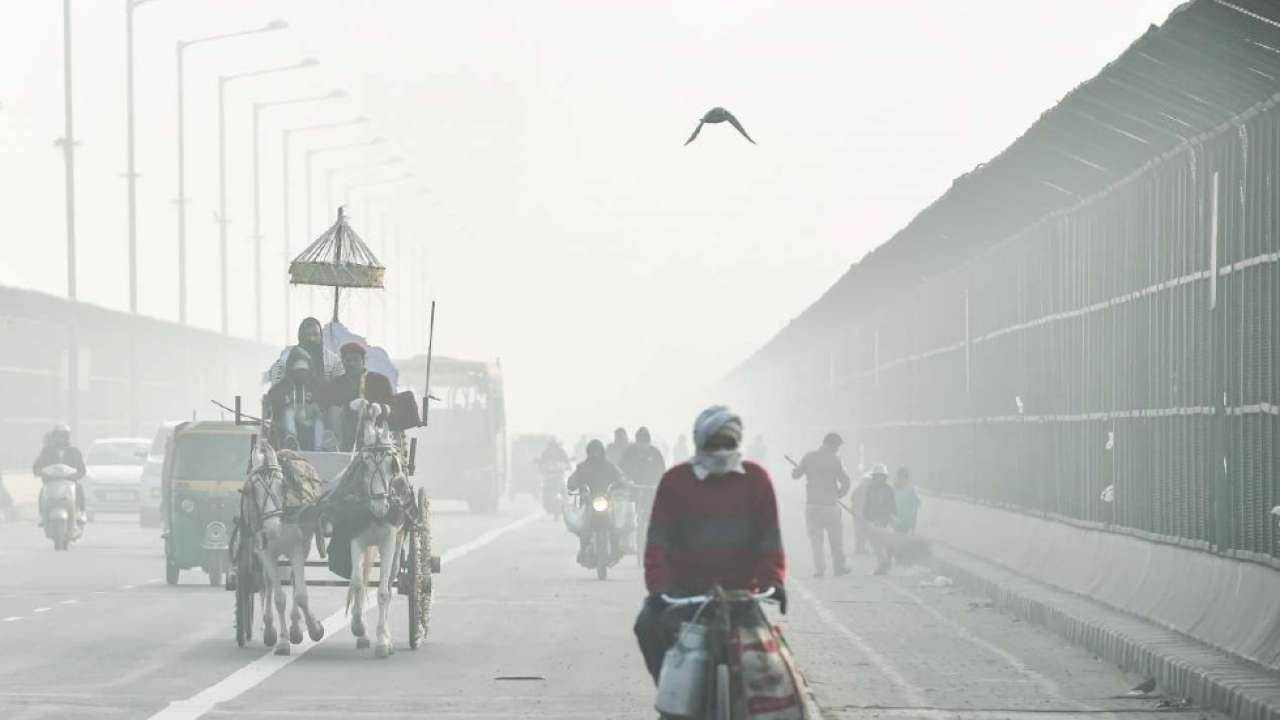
462, 452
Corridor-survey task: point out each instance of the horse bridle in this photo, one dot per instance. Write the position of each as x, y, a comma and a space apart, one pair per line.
374, 455
261, 478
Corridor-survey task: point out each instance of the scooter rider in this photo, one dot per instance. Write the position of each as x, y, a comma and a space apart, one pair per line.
59, 450
594, 476
714, 522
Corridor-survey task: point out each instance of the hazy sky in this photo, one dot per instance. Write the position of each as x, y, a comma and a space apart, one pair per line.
566, 229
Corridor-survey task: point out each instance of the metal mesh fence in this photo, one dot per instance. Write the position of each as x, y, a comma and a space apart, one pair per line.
1112, 364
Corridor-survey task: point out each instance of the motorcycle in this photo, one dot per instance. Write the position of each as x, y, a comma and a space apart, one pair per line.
594, 519
553, 474
61, 521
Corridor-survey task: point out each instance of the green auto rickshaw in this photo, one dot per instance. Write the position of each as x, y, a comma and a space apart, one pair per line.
204, 469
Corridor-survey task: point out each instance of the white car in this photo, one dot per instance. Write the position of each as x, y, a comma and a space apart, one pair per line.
113, 471
150, 512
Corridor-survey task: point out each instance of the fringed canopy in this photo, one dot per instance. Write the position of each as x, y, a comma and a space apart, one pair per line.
338, 258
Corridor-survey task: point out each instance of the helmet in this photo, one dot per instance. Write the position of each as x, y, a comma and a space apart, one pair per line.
595, 448
879, 470
642, 435
832, 440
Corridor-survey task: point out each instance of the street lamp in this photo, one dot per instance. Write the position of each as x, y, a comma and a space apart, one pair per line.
311, 155
223, 81
272, 26
286, 137
131, 174
258, 108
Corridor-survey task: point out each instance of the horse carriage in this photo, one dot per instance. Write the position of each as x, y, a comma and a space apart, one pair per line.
350, 504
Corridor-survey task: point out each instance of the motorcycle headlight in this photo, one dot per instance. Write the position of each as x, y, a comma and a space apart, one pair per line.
600, 504
188, 506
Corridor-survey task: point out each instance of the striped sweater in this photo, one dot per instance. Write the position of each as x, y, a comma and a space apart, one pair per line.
722, 530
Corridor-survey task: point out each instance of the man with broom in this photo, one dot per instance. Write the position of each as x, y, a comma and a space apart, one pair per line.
826, 482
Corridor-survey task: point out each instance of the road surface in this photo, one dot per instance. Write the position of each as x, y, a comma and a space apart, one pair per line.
518, 631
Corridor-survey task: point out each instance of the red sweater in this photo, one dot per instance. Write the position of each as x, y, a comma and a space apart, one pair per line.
722, 530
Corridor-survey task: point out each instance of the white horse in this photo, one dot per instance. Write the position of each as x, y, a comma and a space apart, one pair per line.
382, 483
280, 532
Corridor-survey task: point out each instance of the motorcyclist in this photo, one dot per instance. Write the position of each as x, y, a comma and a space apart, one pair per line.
594, 476
619, 446
643, 465
59, 450
680, 451
714, 522
552, 464
553, 453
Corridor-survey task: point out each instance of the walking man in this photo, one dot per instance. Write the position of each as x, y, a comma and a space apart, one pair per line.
825, 483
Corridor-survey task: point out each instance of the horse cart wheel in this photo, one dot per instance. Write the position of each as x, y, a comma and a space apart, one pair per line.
419, 573
245, 586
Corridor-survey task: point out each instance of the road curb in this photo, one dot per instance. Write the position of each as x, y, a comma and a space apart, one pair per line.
1182, 667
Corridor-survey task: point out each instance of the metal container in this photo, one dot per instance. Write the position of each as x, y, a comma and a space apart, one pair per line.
682, 683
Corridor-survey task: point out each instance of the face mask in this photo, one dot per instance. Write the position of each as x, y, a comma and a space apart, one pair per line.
720, 462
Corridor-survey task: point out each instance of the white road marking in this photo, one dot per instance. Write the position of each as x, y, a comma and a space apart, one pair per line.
99, 592
128, 587
13, 618
253, 674
911, 694
154, 581
42, 609
68, 602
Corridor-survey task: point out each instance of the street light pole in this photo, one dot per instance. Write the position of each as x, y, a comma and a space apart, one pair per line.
68, 143
286, 137
131, 174
182, 154
223, 81
311, 154
258, 107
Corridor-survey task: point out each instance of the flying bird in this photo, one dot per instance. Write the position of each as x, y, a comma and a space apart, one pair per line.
719, 115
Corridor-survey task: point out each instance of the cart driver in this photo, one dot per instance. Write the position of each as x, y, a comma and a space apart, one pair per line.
356, 382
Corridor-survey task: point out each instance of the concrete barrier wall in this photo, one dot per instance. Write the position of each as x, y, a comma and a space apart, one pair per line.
1230, 604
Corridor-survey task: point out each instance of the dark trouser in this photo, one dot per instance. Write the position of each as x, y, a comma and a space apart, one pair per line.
859, 536
656, 628
825, 527
884, 554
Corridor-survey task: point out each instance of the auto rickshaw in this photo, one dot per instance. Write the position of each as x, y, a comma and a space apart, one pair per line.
204, 470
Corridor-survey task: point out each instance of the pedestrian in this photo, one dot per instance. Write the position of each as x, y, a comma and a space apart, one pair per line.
879, 512
825, 483
906, 503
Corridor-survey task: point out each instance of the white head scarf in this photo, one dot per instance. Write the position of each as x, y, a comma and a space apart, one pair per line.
716, 419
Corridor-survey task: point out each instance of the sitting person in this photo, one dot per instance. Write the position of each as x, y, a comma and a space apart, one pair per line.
324, 362
295, 403
356, 382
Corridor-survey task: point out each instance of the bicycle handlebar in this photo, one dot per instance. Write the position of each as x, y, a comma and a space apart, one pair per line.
700, 599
